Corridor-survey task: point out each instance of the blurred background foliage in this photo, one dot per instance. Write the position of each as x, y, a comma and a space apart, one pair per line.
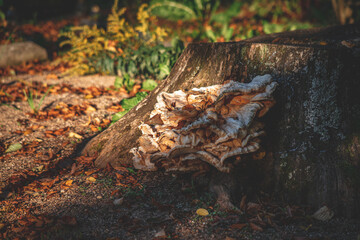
143, 39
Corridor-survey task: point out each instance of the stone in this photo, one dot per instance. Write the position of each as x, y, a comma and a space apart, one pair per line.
17, 53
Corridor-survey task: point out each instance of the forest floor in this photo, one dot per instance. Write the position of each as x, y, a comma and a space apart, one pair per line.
49, 191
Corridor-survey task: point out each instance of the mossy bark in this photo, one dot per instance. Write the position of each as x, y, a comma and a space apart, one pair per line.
312, 140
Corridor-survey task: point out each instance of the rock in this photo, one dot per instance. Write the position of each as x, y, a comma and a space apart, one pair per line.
17, 53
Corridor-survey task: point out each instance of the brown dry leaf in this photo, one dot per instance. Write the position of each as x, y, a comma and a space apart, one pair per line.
28, 131
2, 225
119, 176
122, 169
347, 44
135, 89
255, 227
253, 206
243, 203
87, 173
73, 168
238, 226
322, 43
50, 194
48, 135
116, 191
89, 96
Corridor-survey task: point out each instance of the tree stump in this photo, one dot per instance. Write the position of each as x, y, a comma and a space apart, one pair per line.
312, 143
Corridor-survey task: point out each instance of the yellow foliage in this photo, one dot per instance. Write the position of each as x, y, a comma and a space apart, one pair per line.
87, 42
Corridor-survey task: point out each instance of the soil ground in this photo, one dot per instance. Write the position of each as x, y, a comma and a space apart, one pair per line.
49, 191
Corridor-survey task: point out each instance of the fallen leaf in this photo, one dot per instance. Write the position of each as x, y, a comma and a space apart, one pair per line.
51, 76
87, 173
73, 169
69, 183
14, 147
243, 203
28, 131
348, 44
238, 226
38, 168
119, 176
255, 227
75, 135
202, 212
116, 191
50, 194
253, 207
90, 109
2, 226
91, 179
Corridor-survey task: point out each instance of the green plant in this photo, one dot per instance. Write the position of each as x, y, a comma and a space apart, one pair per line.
30, 99
125, 81
149, 85
149, 62
2, 15
96, 50
128, 104
200, 11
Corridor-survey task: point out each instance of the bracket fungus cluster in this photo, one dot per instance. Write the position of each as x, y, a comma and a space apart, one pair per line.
208, 126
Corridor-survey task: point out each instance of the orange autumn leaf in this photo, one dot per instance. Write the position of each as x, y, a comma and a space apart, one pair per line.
51, 76
87, 173
69, 183
91, 179
93, 128
119, 176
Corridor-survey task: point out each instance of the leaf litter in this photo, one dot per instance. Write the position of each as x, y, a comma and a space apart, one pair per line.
49, 191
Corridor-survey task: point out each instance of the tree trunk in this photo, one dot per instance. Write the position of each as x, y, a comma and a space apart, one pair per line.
313, 131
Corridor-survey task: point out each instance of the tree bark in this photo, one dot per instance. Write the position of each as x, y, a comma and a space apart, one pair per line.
313, 131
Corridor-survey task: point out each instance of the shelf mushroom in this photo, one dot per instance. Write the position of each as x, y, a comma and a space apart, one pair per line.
208, 126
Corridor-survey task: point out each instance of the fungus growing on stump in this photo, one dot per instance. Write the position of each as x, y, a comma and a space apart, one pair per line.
208, 126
